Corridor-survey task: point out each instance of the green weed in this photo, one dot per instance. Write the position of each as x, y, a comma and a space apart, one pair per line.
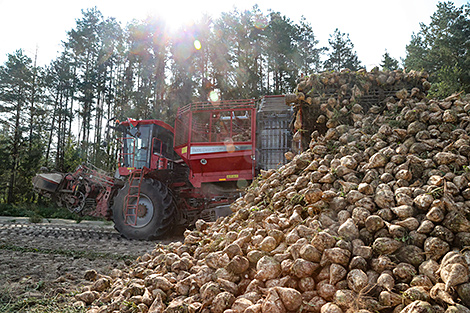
55, 304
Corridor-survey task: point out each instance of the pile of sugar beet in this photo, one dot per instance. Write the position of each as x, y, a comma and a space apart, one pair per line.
374, 216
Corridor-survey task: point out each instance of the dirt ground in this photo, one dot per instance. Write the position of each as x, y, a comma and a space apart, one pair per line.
48, 259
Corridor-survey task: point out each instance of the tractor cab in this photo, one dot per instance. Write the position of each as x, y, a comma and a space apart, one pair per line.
145, 144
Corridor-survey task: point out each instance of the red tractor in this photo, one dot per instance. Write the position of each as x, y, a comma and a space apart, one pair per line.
173, 176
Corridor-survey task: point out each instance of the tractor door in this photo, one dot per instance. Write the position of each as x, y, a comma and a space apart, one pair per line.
162, 148
135, 149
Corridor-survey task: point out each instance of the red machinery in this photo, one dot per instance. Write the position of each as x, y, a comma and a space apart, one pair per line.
217, 141
175, 176
87, 190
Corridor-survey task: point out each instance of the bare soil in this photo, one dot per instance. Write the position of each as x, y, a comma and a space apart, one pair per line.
50, 258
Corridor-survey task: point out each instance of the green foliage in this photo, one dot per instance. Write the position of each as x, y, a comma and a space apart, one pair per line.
281, 32
20, 138
447, 82
441, 48
437, 192
341, 53
298, 199
389, 63
34, 305
72, 158
308, 54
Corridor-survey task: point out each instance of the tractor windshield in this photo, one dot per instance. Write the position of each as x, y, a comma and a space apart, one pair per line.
135, 150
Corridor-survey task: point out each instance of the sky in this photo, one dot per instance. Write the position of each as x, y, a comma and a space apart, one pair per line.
374, 26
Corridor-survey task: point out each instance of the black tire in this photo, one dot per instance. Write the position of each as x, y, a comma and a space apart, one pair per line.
156, 218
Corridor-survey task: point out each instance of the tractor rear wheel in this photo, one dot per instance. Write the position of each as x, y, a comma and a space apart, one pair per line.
155, 213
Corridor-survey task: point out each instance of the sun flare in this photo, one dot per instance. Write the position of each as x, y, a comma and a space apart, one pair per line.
177, 14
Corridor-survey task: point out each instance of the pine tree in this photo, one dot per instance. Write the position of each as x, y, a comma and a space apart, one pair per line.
202, 62
388, 63
60, 88
341, 53
441, 48
308, 55
16, 81
221, 54
281, 52
238, 53
93, 46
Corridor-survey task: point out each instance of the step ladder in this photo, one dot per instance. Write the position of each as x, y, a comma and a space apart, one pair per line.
133, 196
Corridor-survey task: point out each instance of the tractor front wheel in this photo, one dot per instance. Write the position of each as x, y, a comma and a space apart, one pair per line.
155, 212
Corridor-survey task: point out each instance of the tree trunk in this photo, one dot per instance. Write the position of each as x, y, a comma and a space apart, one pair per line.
32, 102
15, 154
51, 133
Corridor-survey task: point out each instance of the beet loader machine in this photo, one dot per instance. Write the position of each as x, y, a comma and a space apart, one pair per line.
171, 176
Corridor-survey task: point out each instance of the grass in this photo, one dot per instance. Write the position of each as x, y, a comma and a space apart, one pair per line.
436, 192
298, 199
38, 212
59, 303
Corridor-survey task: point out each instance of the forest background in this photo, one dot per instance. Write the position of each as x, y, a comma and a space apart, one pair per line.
56, 116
